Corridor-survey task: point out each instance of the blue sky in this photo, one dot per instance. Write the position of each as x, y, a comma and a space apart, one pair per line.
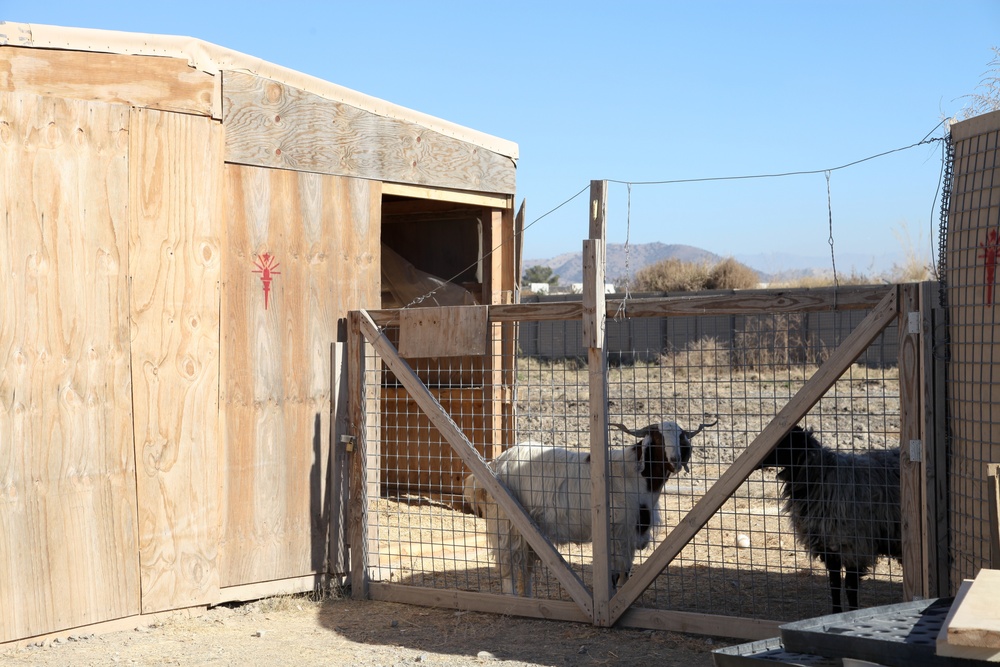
634, 91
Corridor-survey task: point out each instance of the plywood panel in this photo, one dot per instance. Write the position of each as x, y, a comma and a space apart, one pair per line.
68, 551
270, 124
142, 81
176, 253
302, 250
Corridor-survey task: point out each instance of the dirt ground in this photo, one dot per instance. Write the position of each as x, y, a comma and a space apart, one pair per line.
298, 631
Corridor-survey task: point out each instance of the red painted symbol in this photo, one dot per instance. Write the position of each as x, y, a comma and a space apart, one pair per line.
991, 249
266, 268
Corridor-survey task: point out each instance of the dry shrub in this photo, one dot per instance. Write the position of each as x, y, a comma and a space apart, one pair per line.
730, 274
672, 275
698, 356
770, 342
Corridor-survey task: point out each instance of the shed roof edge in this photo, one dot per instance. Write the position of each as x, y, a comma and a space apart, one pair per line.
211, 58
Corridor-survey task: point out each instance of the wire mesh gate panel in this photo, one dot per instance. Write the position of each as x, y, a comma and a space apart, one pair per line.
972, 248
434, 537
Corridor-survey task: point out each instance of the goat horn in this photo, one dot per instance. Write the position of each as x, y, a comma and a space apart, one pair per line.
639, 432
701, 427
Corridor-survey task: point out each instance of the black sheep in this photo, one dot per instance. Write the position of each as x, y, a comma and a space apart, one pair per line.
844, 508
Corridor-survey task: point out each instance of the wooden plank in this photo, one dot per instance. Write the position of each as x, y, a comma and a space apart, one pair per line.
461, 445
266, 589
742, 302
699, 624
993, 493
168, 84
359, 498
359, 259
175, 250
443, 331
911, 456
505, 202
975, 621
69, 548
298, 255
594, 331
803, 400
123, 624
553, 610
932, 434
270, 124
945, 648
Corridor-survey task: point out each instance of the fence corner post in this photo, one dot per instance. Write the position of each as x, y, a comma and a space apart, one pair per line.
594, 316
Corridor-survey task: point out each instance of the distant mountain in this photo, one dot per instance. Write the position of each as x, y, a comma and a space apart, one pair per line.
569, 266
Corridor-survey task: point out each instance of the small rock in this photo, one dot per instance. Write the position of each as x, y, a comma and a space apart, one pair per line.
394, 623
742, 541
486, 655
420, 658
259, 633
581, 650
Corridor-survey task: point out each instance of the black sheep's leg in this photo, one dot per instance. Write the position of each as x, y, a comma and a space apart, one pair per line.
833, 572
851, 585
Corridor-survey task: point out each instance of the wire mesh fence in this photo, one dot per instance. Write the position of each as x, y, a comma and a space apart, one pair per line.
970, 254
432, 526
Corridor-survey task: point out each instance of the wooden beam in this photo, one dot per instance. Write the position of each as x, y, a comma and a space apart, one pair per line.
993, 492
594, 315
168, 84
552, 610
461, 446
737, 473
358, 481
270, 124
699, 624
911, 456
486, 200
936, 421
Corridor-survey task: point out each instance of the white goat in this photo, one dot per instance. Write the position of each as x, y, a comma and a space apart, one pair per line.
553, 485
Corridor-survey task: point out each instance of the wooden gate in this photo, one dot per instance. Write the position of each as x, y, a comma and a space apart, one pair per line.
601, 604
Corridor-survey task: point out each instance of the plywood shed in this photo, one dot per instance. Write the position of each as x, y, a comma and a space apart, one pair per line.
185, 228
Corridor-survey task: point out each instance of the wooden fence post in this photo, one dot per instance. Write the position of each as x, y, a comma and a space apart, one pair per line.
594, 323
912, 448
358, 484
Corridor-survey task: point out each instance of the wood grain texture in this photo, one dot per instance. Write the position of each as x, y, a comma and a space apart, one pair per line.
270, 124
321, 235
443, 332
976, 622
914, 537
68, 551
176, 264
142, 81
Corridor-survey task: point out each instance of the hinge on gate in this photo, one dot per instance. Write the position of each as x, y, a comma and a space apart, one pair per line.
916, 450
913, 322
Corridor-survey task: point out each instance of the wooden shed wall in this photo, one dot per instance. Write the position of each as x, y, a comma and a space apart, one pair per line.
164, 433
323, 233
68, 529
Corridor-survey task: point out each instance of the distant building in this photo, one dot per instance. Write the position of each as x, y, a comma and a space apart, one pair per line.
539, 288
577, 288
